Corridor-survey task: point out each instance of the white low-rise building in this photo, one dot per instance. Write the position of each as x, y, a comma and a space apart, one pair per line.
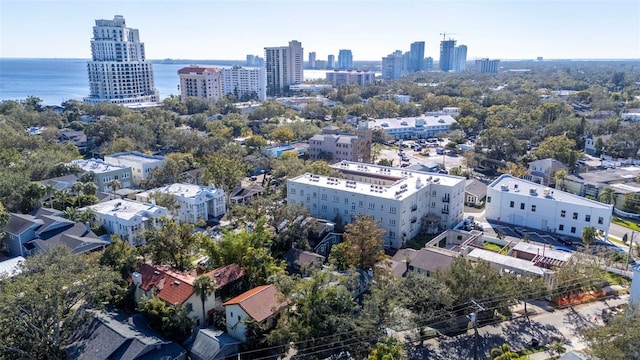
420, 127
404, 202
141, 164
523, 203
195, 202
105, 172
128, 218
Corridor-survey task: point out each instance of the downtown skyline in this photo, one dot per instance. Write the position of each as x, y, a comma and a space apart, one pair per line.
516, 29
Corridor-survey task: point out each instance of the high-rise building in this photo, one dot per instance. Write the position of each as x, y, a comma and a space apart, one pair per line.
312, 60
119, 71
212, 83
446, 54
487, 66
460, 58
284, 66
251, 60
428, 63
417, 56
200, 82
342, 77
331, 62
392, 66
345, 59
406, 61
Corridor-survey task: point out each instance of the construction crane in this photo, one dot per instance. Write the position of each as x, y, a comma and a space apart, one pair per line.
444, 35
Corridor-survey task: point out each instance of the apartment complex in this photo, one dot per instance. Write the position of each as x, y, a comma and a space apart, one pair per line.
119, 71
195, 202
200, 82
487, 66
404, 202
416, 62
420, 127
244, 83
212, 83
333, 146
141, 164
104, 172
128, 218
460, 58
342, 77
523, 203
284, 67
447, 48
392, 66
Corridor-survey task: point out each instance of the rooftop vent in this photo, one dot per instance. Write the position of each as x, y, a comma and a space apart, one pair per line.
533, 192
176, 282
504, 187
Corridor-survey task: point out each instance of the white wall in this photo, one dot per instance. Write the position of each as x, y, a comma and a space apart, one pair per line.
235, 326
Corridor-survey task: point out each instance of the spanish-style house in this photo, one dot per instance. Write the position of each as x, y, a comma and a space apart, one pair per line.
261, 305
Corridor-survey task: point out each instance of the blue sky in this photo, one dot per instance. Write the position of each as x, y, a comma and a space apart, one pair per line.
222, 29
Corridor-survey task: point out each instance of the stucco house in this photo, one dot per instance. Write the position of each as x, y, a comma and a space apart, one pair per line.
260, 304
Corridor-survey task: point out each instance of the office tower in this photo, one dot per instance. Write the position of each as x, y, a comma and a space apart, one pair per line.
446, 54
312, 60
119, 71
487, 66
417, 56
331, 62
284, 67
428, 63
392, 66
345, 59
460, 58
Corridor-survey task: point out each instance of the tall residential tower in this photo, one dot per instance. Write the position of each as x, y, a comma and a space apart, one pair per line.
284, 67
446, 54
460, 58
119, 71
345, 59
416, 62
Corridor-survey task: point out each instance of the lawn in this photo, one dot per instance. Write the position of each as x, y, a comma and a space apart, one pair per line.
626, 223
492, 247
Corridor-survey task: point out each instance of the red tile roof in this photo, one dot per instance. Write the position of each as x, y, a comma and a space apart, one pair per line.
172, 289
225, 275
260, 302
197, 69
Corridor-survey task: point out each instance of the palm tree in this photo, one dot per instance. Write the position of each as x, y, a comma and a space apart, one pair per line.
71, 213
203, 286
589, 235
50, 190
559, 179
608, 196
78, 189
504, 353
115, 185
90, 188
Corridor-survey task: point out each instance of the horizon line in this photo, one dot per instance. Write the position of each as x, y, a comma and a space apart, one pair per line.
244, 60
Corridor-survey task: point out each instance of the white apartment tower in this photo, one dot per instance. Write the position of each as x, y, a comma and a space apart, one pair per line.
460, 58
118, 70
245, 83
200, 82
212, 83
284, 67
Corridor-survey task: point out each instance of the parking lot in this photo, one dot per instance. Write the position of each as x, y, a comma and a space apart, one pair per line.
412, 157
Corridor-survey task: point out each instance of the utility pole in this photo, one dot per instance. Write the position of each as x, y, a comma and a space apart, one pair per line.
474, 319
630, 250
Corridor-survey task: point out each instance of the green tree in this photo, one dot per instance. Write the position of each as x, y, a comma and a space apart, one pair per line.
43, 306
618, 339
4, 219
120, 256
504, 353
362, 245
559, 178
173, 243
589, 235
385, 162
203, 287
223, 170
390, 349
559, 147
282, 134
256, 142
322, 168
114, 185
170, 321
608, 195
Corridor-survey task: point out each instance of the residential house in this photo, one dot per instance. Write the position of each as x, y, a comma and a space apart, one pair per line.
193, 176
261, 304
141, 164
176, 287
61, 182
46, 228
128, 218
212, 344
76, 137
244, 194
302, 262
544, 171
115, 335
104, 172
475, 192
425, 261
194, 202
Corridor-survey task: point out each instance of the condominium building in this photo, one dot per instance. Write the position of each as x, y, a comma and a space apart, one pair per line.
331, 62
284, 67
312, 60
104, 172
200, 82
245, 83
487, 66
392, 66
416, 62
333, 146
420, 127
195, 202
446, 54
523, 203
460, 58
141, 164
428, 63
342, 77
119, 71
345, 59
403, 202
128, 218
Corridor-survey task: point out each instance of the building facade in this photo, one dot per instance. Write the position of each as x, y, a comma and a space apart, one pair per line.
446, 54
421, 127
401, 201
141, 164
200, 82
342, 77
417, 56
195, 202
345, 59
119, 71
460, 58
284, 67
104, 172
212, 83
487, 66
312, 60
245, 83
339, 147
392, 66
331, 62
523, 203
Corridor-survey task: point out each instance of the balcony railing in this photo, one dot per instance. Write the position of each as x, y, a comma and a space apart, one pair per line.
445, 211
414, 207
445, 199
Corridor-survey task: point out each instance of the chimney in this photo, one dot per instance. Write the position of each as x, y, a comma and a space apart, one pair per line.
153, 202
88, 227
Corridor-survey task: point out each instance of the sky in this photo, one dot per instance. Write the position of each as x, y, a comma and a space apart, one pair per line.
229, 30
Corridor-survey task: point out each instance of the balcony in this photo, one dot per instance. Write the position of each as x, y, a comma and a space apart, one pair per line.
414, 219
445, 210
445, 199
414, 207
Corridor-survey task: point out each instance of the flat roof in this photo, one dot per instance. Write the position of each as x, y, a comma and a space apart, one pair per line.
399, 122
607, 175
507, 261
125, 209
545, 251
98, 166
135, 156
508, 183
184, 190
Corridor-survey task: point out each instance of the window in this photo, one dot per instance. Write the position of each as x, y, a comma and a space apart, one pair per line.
324, 207
346, 212
315, 195
353, 206
573, 229
346, 200
360, 203
392, 209
521, 206
314, 205
335, 210
488, 199
600, 220
392, 234
433, 193
336, 198
575, 216
563, 213
392, 221
372, 206
433, 204
301, 192
561, 227
533, 208
323, 196
587, 218
512, 204
308, 198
